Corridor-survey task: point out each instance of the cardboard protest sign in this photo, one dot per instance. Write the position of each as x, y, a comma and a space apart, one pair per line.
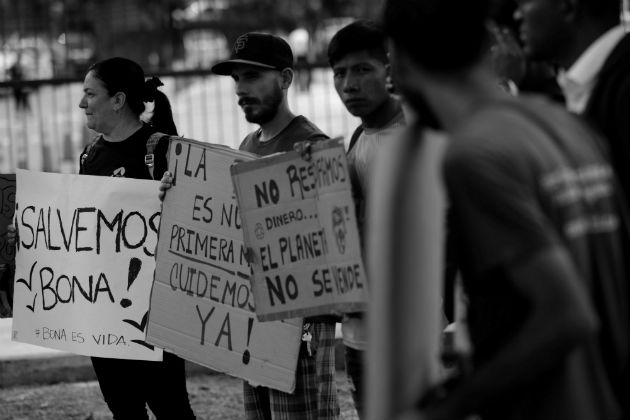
202, 306
299, 220
7, 252
406, 337
85, 263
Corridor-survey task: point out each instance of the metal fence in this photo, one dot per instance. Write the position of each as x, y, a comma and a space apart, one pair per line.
46, 46
47, 132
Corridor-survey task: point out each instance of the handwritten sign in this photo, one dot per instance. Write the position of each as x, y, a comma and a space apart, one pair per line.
299, 220
7, 252
202, 306
85, 263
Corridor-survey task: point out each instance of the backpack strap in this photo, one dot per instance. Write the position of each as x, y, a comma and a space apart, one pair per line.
149, 158
357, 192
355, 137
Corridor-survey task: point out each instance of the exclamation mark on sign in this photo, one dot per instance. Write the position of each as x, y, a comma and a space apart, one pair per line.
134, 268
246, 354
178, 151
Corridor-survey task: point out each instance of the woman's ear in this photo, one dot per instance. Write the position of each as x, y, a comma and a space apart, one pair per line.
119, 100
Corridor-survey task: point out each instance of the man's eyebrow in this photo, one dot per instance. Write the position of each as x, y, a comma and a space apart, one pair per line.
246, 73
363, 62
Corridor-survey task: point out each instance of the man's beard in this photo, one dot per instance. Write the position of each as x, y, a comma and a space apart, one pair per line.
267, 108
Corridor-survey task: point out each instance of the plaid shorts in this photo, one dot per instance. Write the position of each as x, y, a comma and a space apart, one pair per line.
315, 396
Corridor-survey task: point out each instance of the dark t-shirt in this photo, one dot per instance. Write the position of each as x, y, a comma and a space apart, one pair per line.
299, 129
124, 158
516, 190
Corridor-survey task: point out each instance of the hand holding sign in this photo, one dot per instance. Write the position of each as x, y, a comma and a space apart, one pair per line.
165, 184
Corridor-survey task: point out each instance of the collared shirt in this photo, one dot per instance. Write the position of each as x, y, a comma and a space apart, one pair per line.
578, 82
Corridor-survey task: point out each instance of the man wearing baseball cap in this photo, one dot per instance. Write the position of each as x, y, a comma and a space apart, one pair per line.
261, 65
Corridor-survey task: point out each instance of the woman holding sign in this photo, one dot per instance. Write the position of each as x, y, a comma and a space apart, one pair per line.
114, 93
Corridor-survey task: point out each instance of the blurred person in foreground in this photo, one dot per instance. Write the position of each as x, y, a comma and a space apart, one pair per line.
541, 234
262, 68
114, 93
357, 54
589, 43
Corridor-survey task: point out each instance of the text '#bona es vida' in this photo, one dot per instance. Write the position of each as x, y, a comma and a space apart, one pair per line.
60, 334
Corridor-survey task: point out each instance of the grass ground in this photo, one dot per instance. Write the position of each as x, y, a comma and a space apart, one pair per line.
216, 397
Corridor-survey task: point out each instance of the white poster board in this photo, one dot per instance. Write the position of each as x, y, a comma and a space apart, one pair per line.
202, 306
84, 263
299, 220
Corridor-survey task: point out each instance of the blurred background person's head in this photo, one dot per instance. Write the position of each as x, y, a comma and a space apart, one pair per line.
558, 31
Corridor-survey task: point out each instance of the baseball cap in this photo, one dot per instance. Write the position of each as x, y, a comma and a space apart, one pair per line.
258, 49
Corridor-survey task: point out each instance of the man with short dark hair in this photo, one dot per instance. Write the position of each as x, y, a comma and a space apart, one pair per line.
587, 40
262, 68
357, 54
540, 229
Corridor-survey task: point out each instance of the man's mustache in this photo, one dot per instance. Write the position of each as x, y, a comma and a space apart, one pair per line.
247, 101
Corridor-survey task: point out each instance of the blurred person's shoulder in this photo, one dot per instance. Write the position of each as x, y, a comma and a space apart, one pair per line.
521, 134
505, 124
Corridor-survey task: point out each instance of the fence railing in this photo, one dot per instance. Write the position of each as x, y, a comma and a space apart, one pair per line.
47, 132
